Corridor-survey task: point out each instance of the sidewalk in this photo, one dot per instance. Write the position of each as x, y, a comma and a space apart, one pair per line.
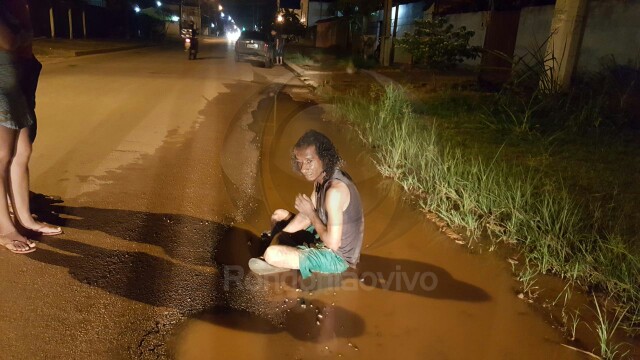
331, 75
46, 49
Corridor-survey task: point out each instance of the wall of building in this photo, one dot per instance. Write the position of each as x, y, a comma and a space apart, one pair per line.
612, 29
407, 15
332, 34
318, 11
475, 22
533, 30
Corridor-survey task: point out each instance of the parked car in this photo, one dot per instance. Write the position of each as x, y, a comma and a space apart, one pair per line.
255, 45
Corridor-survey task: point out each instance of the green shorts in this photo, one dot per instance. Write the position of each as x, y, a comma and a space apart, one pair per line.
321, 259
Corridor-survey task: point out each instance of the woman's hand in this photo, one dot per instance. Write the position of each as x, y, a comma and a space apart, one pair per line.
304, 205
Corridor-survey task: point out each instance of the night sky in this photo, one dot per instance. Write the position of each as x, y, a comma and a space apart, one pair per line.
249, 12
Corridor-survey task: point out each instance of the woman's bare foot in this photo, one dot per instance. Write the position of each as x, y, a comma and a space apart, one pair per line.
17, 243
43, 228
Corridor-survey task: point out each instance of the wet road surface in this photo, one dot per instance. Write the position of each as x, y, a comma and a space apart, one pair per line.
166, 171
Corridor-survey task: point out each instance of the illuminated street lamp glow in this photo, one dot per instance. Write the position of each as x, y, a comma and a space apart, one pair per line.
175, 18
280, 18
222, 15
219, 7
136, 8
158, 3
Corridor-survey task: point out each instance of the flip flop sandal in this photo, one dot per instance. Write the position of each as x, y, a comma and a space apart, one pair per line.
57, 230
16, 251
15, 236
32, 244
13, 242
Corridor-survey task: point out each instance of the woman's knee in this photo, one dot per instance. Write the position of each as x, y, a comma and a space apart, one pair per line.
272, 255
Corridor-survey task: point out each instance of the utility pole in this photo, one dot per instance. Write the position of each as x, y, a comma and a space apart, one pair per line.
385, 46
567, 29
84, 24
52, 23
395, 32
70, 25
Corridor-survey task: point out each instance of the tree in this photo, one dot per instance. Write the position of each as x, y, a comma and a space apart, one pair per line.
291, 24
438, 45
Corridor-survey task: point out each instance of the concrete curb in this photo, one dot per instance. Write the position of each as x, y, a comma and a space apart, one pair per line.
381, 79
301, 74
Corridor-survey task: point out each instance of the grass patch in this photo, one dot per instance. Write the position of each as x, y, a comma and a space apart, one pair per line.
330, 59
300, 59
506, 185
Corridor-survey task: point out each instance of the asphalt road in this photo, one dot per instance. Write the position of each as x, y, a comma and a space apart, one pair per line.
138, 146
163, 171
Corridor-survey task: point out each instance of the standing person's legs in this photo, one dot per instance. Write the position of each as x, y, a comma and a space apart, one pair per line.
9, 237
19, 187
32, 85
7, 147
29, 73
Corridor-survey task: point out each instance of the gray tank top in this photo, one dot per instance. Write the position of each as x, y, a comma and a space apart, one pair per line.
353, 218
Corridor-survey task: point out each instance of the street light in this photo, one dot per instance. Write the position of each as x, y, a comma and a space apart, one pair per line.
219, 7
158, 3
280, 18
136, 8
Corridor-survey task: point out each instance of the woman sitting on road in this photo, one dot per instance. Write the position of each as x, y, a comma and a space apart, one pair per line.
15, 146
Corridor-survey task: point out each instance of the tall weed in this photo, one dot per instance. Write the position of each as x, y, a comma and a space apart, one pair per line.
509, 203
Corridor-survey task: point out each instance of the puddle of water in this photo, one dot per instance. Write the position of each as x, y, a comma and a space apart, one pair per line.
415, 293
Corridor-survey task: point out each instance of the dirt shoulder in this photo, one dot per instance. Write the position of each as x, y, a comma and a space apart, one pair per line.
588, 164
47, 50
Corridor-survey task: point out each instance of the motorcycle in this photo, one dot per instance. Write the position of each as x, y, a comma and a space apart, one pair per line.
190, 43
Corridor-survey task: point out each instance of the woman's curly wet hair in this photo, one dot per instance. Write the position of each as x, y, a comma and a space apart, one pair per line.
324, 148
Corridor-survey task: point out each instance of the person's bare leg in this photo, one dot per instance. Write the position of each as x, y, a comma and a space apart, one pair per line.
19, 186
7, 148
283, 256
299, 222
7, 145
279, 215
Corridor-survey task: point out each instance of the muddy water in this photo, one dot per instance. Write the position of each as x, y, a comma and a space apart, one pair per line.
415, 294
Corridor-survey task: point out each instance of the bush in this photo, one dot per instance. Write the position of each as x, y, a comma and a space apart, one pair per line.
438, 45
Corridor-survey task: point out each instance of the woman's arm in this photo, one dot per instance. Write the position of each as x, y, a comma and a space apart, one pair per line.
336, 201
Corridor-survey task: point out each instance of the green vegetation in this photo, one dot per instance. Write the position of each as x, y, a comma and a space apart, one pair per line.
512, 183
605, 329
300, 59
437, 44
